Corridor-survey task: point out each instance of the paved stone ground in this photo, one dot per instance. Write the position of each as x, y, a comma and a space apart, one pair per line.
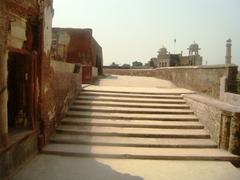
49, 167
134, 81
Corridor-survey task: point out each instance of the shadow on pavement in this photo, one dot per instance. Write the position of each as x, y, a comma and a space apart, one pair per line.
49, 167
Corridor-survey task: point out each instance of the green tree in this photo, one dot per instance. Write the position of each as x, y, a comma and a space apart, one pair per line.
137, 64
114, 65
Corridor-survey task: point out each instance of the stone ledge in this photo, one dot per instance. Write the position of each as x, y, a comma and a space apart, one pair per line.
214, 102
220, 66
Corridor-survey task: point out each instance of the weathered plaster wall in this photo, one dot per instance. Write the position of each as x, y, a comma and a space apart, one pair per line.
3, 73
77, 46
47, 105
204, 79
13, 18
17, 34
59, 66
66, 86
94, 72
66, 89
73, 45
15, 149
97, 56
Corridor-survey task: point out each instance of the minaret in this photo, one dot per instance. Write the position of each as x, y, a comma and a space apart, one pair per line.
228, 51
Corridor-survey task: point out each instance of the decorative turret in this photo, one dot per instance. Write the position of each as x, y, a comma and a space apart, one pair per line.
193, 49
163, 51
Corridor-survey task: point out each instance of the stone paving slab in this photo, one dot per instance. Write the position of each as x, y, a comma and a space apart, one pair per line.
134, 81
71, 168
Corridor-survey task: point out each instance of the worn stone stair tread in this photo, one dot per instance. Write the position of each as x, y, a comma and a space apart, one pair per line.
125, 99
138, 132
110, 94
130, 104
130, 110
139, 152
131, 92
138, 90
166, 117
132, 123
133, 141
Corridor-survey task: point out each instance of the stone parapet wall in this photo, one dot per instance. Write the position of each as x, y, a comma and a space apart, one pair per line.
204, 79
222, 120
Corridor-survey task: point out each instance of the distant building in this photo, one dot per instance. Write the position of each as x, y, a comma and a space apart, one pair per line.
166, 59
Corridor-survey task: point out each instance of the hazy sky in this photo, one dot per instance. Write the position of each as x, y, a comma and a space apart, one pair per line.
131, 30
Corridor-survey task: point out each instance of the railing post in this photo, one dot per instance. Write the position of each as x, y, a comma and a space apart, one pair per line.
229, 137
224, 131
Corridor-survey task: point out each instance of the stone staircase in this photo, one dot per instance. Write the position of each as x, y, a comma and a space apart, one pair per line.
111, 124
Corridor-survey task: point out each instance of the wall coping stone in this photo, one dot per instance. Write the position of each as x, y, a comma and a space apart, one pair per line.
219, 66
214, 102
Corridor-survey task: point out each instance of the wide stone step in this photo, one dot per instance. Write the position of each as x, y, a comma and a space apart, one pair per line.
129, 110
132, 123
139, 152
133, 132
110, 94
162, 117
132, 141
135, 90
136, 100
130, 104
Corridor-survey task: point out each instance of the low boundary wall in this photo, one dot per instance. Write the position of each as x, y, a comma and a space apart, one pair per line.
204, 79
